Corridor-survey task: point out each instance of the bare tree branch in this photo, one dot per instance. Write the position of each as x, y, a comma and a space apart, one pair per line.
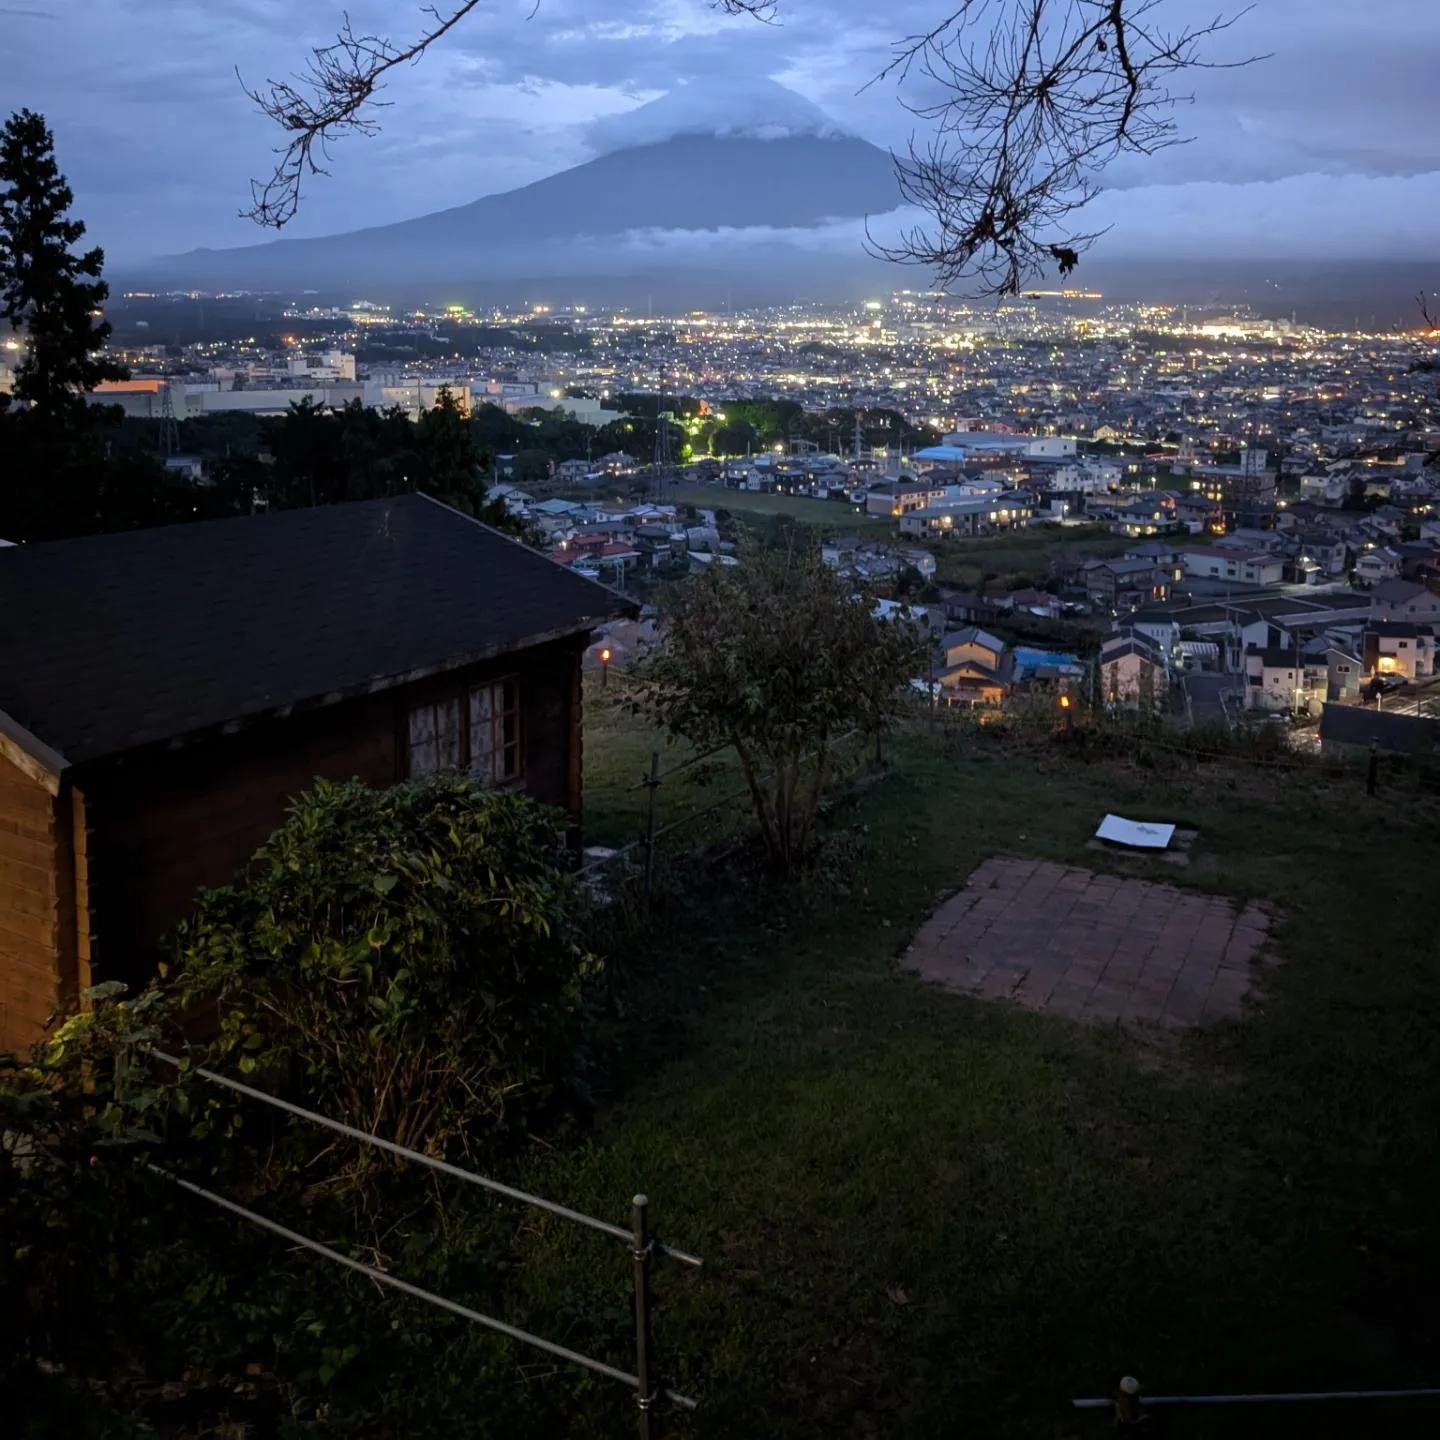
330, 99
335, 92
1035, 98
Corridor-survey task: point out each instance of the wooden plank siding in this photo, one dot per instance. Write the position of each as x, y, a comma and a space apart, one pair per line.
163, 825
30, 899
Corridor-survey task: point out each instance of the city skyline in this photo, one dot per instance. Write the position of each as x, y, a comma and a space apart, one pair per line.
1294, 156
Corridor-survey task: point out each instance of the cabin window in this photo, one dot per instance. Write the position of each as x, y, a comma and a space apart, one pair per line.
495, 729
479, 731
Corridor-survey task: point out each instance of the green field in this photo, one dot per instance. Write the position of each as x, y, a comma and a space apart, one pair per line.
1022, 554
925, 1215
830, 515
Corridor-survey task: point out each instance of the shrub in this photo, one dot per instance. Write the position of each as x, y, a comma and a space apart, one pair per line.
409, 960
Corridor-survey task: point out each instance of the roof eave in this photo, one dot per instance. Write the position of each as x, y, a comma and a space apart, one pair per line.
30, 754
373, 686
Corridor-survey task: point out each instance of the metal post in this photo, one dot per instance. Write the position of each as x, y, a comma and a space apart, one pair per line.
645, 1393
1129, 1412
653, 787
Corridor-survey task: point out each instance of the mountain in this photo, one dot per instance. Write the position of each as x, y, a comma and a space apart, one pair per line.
692, 167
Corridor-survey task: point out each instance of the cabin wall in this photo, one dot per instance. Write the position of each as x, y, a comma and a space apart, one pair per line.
166, 824
30, 908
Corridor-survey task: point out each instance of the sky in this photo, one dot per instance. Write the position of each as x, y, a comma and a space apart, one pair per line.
1327, 148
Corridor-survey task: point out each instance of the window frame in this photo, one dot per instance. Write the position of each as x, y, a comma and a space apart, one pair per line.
459, 699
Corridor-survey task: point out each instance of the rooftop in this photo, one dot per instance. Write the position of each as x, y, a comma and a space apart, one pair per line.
148, 636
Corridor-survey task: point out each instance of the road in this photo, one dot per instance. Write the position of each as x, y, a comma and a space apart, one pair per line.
1425, 700
1206, 692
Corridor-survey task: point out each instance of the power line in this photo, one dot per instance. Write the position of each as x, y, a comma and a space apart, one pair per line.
406, 1288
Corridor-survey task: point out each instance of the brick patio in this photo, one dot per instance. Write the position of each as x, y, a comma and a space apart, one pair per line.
1092, 947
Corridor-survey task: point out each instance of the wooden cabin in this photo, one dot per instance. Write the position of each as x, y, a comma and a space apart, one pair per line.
165, 693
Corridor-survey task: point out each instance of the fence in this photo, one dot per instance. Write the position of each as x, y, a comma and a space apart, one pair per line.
644, 849
639, 1237
1130, 1407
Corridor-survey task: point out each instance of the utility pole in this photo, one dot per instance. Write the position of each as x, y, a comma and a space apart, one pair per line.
662, 443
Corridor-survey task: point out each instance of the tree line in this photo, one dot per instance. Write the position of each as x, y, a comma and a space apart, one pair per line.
69, 466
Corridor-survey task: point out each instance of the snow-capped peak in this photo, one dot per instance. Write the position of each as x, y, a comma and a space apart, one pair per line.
757, 109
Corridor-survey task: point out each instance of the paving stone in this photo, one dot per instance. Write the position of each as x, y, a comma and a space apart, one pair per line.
1092, 947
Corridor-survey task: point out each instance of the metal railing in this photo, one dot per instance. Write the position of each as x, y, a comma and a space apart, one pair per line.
1130, 1405
638, 1237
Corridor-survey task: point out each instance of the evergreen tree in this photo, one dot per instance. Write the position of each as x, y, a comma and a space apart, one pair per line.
49, 293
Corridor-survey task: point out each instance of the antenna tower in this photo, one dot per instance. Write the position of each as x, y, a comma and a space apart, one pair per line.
663, 458
169, 430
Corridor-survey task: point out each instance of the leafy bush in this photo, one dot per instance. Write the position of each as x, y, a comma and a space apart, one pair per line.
407, 960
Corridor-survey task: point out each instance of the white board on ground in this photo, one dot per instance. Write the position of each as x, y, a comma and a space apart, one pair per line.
1142, 834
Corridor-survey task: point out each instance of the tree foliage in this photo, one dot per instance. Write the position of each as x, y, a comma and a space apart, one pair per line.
51, 295
780, 658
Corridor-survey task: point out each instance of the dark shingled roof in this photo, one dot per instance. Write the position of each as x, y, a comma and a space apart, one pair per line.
117, 641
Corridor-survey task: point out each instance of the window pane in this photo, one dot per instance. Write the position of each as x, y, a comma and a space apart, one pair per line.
422, 741
482, 732
447, 727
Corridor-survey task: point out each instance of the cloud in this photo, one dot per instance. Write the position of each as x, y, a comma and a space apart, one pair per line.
1300, 217
750, 107
159, 142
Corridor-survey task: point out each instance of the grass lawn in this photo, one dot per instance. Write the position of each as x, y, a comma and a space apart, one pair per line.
831, 515
618, 750
925, 1215
1026, 553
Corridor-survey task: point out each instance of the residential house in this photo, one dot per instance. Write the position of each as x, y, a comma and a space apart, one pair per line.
1035, 602
900, 497
169, 691
1320, 554
1284, 681
1399, 648
1124, 584
1247, 567
573, 471
1162, 554
953, 519
970, 608
1419, 560
978, 667
1404, 600
1343, 670
1199, 516
512, 497
1378, 564
1133, 672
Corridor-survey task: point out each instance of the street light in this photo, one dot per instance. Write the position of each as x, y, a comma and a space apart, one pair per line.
604, 667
